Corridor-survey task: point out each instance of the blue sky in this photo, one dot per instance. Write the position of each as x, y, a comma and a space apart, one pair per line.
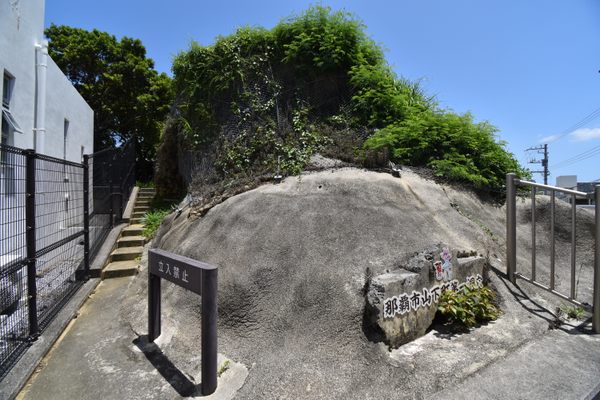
531, 67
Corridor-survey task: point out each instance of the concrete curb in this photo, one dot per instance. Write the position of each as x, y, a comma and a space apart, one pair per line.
130, 203
594, 394
105, 250
17, 377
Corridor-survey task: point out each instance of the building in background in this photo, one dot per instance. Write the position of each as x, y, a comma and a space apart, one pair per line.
41, 110
570, 182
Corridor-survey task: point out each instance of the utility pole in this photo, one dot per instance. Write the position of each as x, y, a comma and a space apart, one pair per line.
541, 149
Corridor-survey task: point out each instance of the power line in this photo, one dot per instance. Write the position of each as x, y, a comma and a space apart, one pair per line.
578, 157
575, 159
589, 118
585, 120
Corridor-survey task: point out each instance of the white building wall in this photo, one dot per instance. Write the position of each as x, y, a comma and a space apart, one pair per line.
21, 30
567, 181
64, 102
21, 34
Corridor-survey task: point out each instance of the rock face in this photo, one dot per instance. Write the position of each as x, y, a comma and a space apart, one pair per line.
403, 303
293, 261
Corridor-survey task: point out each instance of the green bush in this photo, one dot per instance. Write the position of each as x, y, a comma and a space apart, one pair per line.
468, 306
453, 145
152, 220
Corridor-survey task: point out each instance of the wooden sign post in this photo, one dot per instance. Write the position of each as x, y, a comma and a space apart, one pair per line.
200, 278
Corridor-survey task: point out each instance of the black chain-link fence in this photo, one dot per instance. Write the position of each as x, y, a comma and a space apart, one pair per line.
14, 325
54, 217
112, 178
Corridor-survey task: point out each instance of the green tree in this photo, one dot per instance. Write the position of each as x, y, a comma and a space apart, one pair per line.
260, 99
129, 98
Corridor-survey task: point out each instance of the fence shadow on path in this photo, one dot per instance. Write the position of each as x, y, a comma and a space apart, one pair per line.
530, 305
177, 379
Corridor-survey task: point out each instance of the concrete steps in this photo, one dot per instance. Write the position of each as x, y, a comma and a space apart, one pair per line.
133, 230
131, 241
118, 269
126, 253
125, 258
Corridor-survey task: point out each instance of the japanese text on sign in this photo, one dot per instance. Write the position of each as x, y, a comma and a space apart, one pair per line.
173, 270
182, 271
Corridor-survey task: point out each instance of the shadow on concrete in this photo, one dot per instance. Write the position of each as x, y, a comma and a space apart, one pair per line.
553, 318
370, 328
178, 380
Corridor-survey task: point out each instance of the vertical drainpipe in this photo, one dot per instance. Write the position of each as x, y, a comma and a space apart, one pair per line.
41, 67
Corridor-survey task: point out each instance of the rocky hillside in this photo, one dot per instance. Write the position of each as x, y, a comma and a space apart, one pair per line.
293, 262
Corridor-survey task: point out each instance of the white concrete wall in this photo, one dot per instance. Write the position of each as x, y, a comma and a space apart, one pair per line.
21, 29
64, 102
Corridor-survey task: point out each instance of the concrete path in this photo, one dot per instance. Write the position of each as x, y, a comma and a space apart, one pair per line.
99, 356
568, 365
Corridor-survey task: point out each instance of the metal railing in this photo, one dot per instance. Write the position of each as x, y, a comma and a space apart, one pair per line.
112, 173
511, 241
42, 246
53, 220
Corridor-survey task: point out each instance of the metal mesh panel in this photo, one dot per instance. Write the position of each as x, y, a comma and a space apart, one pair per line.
45, 196
58, 201
113, 173
14, 325
55, 278
127, 182
100, 211
59, 230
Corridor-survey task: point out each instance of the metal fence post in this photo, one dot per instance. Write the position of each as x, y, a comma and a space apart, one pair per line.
209, 332
86, 217
121, 197
111, 202
30, 238
596, 310
511, 227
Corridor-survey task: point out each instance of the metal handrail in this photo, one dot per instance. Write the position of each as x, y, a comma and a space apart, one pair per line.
511, 240
552, 188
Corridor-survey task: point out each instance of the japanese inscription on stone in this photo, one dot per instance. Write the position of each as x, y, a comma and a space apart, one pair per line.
403, 303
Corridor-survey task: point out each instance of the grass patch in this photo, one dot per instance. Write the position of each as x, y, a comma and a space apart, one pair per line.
153, 219
572, 312
159, 209
141, 184
224, 367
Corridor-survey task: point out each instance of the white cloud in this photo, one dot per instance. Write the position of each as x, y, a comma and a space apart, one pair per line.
549, 139
583, 134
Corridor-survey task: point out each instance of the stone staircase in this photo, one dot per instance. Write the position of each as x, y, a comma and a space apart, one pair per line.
125, 258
